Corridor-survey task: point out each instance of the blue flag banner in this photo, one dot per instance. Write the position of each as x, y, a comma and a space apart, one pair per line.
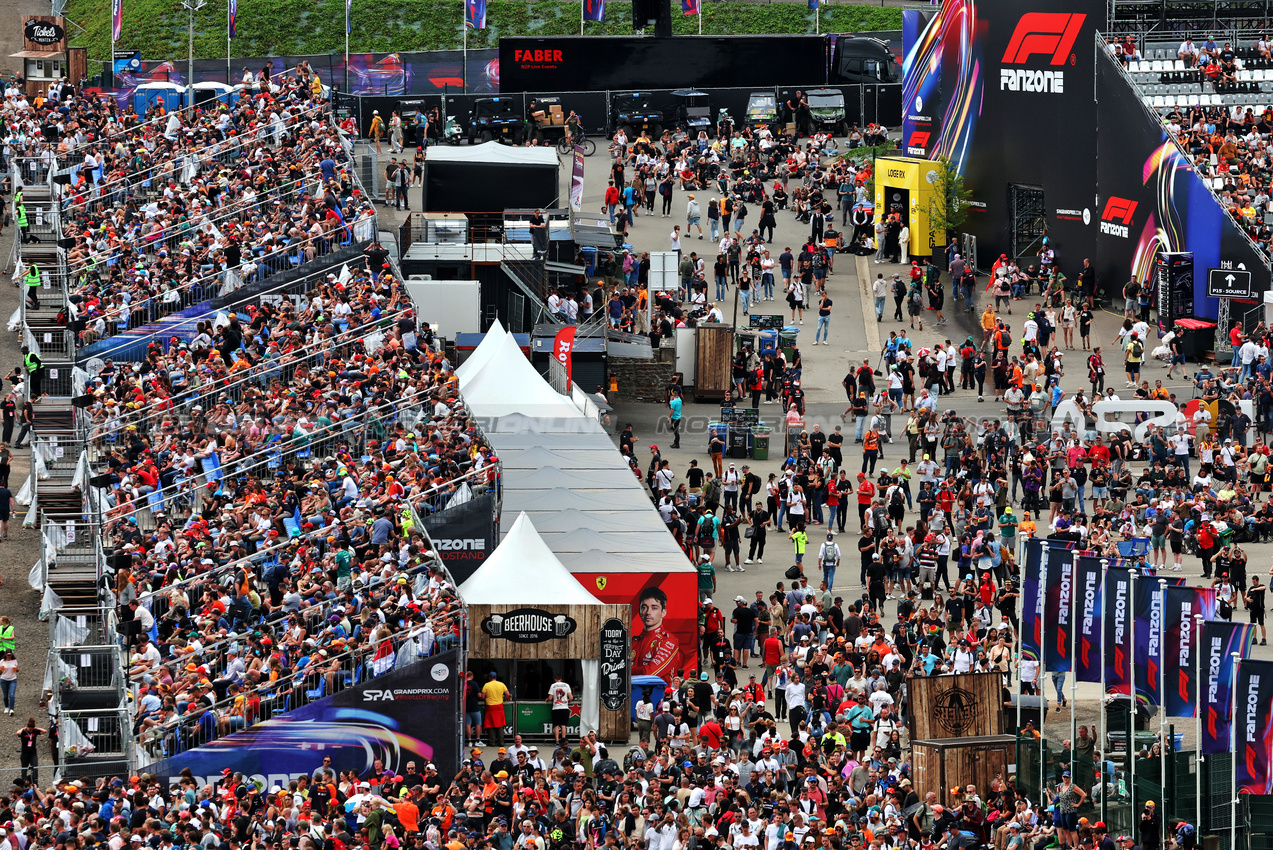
1118, 627
594, 10
232, 11
1058, 610
1219, 642
1149, 635
475, 14
1180, 634
1032, 599
1254, 743
1088, 592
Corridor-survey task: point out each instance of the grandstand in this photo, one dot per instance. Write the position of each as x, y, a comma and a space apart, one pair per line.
123, 460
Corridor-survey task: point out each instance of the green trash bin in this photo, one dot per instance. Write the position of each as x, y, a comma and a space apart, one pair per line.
760, 442
787, 337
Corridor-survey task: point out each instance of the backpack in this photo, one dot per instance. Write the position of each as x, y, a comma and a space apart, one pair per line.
899, 288
706, 531
1135, 349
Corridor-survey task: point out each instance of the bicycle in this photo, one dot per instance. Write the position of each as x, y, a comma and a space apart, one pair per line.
566, 145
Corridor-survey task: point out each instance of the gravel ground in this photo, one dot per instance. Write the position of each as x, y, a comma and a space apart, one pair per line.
17, 555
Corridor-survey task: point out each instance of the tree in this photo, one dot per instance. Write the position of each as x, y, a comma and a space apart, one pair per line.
948, 206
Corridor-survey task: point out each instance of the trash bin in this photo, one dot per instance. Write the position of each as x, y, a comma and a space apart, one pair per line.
590, 258
768, 342
788, 336
760, 442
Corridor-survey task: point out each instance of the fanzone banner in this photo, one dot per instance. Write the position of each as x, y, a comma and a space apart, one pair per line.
576, 180
1219, 642
1254, 698
1058, 610
464, 535
1032, 598
232, 11
117, 19
594, 10
475, 14
1088, 592
1180, 635
1149, 634
405, 715
1118, 627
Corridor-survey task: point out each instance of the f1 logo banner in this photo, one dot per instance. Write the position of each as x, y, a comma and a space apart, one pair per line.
1118, 626
1032, 598
1149, 635
1116, 218
1058, 611
1180, 633
1254, 752
1219, 642
1088, 588
1049, 33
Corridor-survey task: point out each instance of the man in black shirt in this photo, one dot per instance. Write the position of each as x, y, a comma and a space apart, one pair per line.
1254, 598
744, 620
694, 478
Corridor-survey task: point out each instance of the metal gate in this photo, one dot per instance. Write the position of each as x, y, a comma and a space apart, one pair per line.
1027, 218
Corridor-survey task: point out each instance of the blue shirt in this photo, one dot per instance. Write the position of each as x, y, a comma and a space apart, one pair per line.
675, 405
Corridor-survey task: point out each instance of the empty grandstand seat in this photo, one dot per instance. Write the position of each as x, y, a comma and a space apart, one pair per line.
1159, 101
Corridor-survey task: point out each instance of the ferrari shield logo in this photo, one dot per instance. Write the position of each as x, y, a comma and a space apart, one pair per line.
601, 582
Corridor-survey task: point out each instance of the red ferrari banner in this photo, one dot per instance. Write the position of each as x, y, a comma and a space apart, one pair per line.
563, 344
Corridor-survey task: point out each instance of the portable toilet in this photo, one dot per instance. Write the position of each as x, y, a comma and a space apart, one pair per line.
146, 94
207, 92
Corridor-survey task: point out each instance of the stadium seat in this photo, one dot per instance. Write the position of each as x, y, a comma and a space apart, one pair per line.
1156, 66
1171, 101
1159, 101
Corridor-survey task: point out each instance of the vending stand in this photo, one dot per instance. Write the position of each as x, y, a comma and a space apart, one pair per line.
532, 621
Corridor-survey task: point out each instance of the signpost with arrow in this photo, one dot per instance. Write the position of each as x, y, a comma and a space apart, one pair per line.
1229, 283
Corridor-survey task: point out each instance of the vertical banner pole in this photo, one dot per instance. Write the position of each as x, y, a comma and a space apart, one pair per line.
582, 3
348, 24
1133, 575
1197, 715
1104, 742
1233, 742
1020, 606
464, 63
1162, 690
1045, 557
1074, 664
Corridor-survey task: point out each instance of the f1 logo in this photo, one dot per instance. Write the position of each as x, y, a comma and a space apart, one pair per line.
919, 139
1043, 32
1119, 209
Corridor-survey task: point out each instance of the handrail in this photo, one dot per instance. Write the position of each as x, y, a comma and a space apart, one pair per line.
227, 148
223, 213
265, 268
145, 421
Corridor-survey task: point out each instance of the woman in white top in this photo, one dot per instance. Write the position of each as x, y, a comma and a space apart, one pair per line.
9, 680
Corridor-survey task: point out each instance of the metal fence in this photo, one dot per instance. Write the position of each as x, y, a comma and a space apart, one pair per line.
96, 742
72, 628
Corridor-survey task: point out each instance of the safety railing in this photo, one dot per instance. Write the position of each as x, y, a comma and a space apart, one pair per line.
183, 498
114, 191
323, 676
212, 220
96, 741
75, 627
177, 407
33, 170
253, 268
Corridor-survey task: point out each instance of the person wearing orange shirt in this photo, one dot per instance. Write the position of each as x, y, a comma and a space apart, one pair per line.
409, 813
1027, 527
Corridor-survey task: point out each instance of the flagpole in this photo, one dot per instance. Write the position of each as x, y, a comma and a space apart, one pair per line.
1233, 760
227, 42
1021, 548
347, 26
1104, 694
1131, 689
582, 3
1196, 648
1074, 667
817, 17
1045, 556
1162, 686
700, 17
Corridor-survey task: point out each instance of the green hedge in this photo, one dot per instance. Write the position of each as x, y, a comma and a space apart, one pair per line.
289, 27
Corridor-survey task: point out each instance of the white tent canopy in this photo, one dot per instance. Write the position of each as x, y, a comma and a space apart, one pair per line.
523, 571
507, 383
482, 354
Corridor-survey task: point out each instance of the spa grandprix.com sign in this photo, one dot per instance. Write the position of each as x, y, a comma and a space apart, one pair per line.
528, 625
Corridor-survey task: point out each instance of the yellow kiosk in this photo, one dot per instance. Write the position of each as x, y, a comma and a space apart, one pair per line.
909, 186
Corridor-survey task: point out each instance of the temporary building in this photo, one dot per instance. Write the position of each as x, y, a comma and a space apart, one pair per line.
490, 178
508, 384
530, 621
